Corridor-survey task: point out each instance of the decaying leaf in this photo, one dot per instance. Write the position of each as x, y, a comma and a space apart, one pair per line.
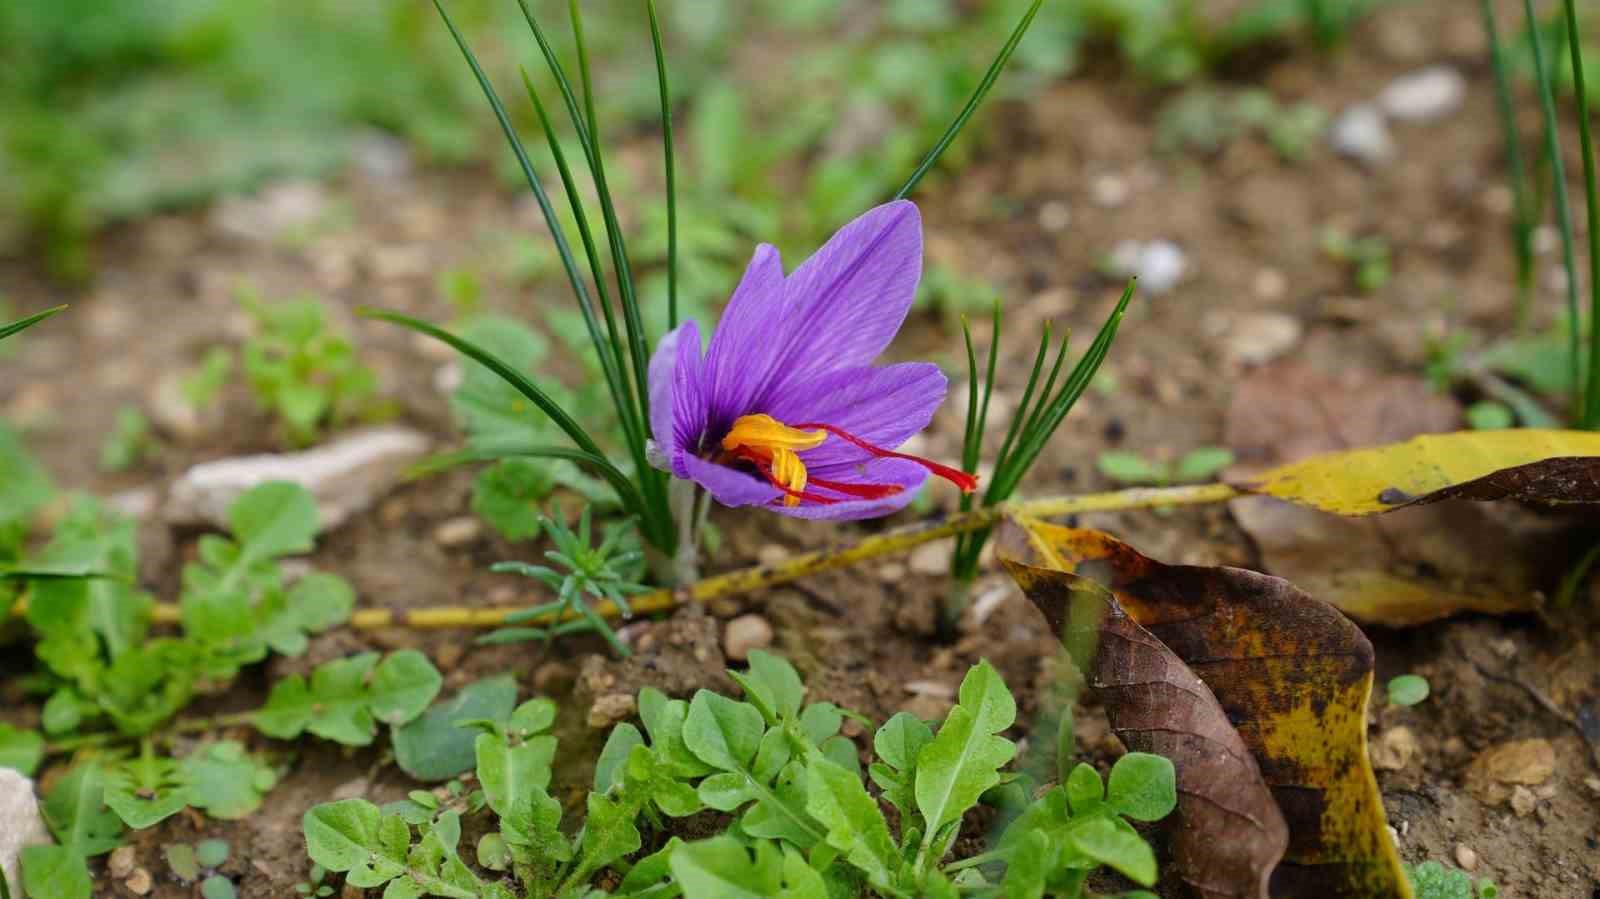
1416, 563
1553, 467
1293, 676
1227, 833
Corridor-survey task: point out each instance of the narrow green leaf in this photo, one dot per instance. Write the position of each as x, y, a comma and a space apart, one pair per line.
26, 322
856, 827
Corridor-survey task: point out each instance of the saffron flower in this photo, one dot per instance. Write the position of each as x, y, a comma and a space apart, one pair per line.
785, 409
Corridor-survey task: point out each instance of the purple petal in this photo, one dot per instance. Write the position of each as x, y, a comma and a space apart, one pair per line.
677, 394
744, 347
727, 486
843, 306
909, 476
883, 406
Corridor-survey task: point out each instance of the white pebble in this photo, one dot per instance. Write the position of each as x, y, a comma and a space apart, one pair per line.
1424, 96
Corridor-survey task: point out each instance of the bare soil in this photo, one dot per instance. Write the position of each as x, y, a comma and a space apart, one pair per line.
1250, 225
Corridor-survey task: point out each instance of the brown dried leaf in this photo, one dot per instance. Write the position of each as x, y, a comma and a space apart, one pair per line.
1292, 674
1156, 704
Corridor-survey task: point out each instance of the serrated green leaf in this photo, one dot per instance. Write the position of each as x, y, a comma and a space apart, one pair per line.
609, 833
855, 825
145, 790
225, 781
965, 756
353, 836
721, 732
644, 774
432, 748
315, 603
508, 771
507, 495
1142, 787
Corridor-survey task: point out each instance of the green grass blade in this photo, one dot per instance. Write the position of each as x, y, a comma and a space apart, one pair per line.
988, 375
488, 360
1558, 177
638, 343
1591, 402
610, 362
666, 147
1021, 413
1522, 223
970, 446
23, 324
1033, 441
989, 77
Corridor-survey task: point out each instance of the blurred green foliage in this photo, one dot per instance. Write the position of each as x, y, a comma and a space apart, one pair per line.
112, 110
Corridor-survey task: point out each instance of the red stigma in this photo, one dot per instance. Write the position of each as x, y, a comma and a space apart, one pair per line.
967, 482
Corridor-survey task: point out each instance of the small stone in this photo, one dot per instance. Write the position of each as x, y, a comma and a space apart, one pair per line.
928, 708
554, 678
121, 862
1424, 96
1270, 284
772, 554
354, 788
271, 213
1504, 647
891, 572
383, 157
611, 708
1394, 749
1523, 802
987, 601
172, 413
1593, 783
347, 476
1466, 858
745, 633
1526, 762
21, 824
937, 689
458, 531
1158, 264
449, 656
932, 558
1360, 133
1261, 338
138, 503
1054, 215
139, 882
1109, 191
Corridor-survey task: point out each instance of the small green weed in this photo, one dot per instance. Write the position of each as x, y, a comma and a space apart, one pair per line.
1431, 880
1127, 467
803, 822
302, 369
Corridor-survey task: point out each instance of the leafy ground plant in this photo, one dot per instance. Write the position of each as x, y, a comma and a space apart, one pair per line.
302, 369
1432, 880
800, 818
1133, 468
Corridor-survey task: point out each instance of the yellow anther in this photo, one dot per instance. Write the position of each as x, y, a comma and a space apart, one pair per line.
788, 470
763, 432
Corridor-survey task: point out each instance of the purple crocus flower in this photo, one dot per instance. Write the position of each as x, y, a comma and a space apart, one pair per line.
785, 409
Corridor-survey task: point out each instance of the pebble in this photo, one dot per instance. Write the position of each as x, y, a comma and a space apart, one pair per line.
1424, 96
936, 689
21, 824
1523, 802
932, 558
458, 531
1394, 749
1270, 284
772, 554
1466, 858
1055, 215
891, 572
121, 862
1261, 338
1158, 264
383, 157
1525, 762
745, 633
1360, 133
554, 678
347, 476
611, 708
1109, 191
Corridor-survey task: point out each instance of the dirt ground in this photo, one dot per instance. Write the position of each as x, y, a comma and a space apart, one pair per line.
1250, 225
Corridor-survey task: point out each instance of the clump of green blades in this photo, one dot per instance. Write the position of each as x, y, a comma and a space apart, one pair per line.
611, 307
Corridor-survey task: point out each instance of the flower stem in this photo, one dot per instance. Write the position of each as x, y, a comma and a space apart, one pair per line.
760, 577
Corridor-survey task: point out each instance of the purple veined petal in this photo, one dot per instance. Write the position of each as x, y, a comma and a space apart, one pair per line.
843, 306
884, 406
728, 486
688, 398
663, 363
743, 348
909, 476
